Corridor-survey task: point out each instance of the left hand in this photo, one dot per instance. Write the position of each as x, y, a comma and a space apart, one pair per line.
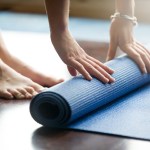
76, 58
121, 35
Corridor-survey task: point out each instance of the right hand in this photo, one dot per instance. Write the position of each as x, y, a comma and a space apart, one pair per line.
121, 35
77, 60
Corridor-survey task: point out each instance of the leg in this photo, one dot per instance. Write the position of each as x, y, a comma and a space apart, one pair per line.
24, 69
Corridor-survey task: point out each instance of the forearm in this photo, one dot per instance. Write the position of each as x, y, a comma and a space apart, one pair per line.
68, 49
58, 14
125, 7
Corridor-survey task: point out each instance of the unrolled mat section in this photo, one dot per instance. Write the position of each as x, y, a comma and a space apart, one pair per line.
67, 104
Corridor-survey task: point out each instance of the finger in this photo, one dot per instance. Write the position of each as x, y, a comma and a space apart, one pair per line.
144, 50
144, 58
78, 66
109, 70
101, 70
111, 51
72, 71
137, 58
94, 72
143, 47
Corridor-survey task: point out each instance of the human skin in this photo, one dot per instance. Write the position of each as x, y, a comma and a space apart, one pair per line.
16, 86
68, 49
121, 35
24, 69
17, 79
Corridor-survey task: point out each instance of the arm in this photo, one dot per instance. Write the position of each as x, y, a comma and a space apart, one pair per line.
121, 35
125, 7
68, 49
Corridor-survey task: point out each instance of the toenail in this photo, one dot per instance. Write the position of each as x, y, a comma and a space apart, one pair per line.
19, 96
28, 95
34, 93
11, 96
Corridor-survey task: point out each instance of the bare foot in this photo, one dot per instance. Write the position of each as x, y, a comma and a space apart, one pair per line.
15, 86
38, 77
24, 69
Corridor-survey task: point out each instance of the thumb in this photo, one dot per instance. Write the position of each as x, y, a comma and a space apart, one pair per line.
72, 71
111, 51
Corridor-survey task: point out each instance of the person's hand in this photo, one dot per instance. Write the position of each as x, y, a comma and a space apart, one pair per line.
121, 35
77, 60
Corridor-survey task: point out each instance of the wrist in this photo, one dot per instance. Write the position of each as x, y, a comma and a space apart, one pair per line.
59, 36
59, 31
122, 24
125, 17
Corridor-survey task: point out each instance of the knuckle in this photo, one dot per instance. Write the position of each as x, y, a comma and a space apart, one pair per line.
126, 47
104, 66
79, 66
137, 56
69, 59
90, 67
143, 55
142, 65
96, 67
78, 59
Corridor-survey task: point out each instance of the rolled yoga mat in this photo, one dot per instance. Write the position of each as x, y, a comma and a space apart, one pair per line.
121, 108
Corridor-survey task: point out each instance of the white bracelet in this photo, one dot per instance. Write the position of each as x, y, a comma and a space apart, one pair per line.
119, 15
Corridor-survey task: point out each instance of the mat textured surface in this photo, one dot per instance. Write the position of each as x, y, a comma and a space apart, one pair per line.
121, 108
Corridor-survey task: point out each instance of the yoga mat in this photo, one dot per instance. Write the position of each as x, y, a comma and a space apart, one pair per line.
121, 108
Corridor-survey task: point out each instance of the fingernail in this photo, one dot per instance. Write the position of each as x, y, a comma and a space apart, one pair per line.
112, 70
144, 71
113, 79
90, 78
107, 80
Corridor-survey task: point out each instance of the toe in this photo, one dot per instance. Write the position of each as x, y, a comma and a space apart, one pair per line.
31, 91
5, 94
38, 88
24, 92
16, 94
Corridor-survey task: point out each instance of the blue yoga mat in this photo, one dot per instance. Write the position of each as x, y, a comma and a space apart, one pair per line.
121, 108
